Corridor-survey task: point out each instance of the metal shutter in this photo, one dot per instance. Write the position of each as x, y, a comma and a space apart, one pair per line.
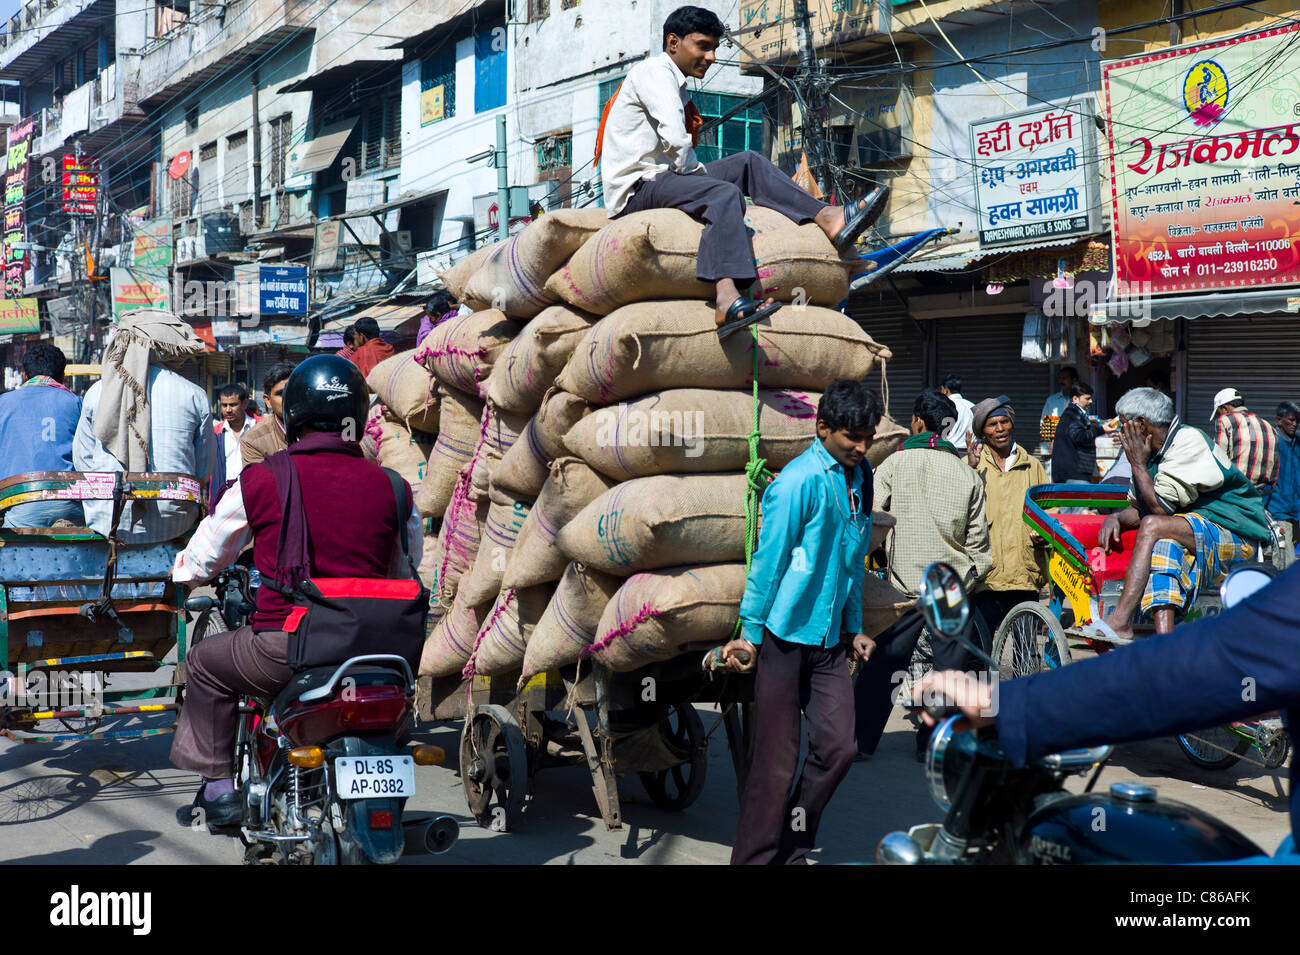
1260, 357
905, 372
985, 353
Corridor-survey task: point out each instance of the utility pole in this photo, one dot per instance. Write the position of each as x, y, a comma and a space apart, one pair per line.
503, 181
1176, 27
257, 159
812, 87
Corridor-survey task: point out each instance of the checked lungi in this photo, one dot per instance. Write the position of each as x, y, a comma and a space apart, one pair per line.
1178, 576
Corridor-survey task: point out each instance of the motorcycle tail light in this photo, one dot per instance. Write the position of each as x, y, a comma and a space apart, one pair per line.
307, 757
428, 755
381, 819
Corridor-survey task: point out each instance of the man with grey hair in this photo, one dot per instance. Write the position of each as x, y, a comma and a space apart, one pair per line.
1193, 511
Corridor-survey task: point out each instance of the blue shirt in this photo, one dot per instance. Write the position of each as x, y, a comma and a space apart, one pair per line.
1283, 502
1195, 676
37, 423
805, 581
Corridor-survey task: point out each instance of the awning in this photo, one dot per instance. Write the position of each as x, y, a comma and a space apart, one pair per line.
334, 78
1203, 305
321, 152
398, 203
958, 255
389, 317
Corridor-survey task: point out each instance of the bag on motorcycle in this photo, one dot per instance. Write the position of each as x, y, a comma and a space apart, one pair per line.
334, 619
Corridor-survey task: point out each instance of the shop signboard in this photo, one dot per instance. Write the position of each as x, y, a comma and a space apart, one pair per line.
151, 247
139, 288
283, 290
19, 139
325, 251
1204, 148
80, 185
19, 316
1034, 175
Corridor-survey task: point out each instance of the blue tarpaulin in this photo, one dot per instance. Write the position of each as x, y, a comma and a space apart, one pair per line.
888, 257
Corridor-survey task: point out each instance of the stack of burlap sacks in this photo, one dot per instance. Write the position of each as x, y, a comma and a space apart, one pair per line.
593, 436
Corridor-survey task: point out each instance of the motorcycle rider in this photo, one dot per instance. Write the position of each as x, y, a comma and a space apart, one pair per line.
1231, 666
353, 526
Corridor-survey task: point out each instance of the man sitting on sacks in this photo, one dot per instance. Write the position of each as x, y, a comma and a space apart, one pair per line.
1194, 513
801, 615
353, 524
649, 162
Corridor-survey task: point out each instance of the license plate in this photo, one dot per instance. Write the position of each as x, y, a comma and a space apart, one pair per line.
374, 777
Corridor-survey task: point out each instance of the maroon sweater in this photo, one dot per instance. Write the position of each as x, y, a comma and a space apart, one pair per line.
352, 521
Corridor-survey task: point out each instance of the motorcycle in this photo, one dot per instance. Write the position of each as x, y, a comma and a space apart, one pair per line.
324, 769
997, 814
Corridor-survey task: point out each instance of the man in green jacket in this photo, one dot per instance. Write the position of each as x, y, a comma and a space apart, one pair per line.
1194, 513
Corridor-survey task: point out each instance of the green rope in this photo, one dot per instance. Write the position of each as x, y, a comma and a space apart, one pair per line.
757, 478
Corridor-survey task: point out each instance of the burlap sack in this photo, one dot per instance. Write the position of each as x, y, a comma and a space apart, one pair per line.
522, 470
462, 532
500, 528
500, 432
571, 486
447, 649
694, 430
406, 452
508, 628
889, 435
651, 346
527, 367
653, 255
660, 521
430, 561
408, 391
558, 413
656, 616
569, 624
459, 432
373, 431
460, 351
882, 605
457, 277
514, 280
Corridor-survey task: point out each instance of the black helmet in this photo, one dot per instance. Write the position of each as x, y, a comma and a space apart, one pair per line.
326, 392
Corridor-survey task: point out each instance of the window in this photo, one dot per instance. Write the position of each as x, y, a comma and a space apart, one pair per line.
538, 10
192, 118
380, 144
555, 151
742, 131
235, 186
490, 69
281, 131
569, 4
604, 93
438, 70
208, 152
182, 192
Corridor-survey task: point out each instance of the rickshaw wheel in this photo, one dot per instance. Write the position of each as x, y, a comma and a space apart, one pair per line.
493, 767
1215, 748
1030, 640
677, 788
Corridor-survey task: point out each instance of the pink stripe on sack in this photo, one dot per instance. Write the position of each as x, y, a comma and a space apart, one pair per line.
623, 629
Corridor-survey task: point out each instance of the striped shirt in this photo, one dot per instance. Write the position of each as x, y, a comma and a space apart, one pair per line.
1250, 444
180, 440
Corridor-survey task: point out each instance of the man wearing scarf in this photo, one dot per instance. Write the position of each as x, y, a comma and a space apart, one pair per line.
937, 500
37, 423
142, 415
351, 530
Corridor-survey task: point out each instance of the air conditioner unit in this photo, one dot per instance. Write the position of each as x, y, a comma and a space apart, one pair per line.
402, 238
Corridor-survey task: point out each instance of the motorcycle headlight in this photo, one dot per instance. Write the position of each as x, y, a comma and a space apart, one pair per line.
939, 760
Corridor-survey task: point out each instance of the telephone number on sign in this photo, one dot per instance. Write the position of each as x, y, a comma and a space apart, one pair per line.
1231, 268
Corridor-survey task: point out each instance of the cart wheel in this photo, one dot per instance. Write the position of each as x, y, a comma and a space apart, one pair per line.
1029, 640
675, 789
493, 767
1273, 742
1216, 748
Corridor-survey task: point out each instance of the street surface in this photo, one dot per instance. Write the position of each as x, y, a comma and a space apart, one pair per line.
113, 803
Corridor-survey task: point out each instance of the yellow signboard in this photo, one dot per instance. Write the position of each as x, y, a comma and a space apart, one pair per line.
19, 315
1076, 585
431, 105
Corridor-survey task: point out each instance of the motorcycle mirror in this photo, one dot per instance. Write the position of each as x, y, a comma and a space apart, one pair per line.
944, 601
1245, 581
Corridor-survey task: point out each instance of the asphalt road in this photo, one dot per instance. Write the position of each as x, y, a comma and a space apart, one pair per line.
113, 803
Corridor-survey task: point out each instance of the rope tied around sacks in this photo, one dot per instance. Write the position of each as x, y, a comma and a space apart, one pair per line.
757, 478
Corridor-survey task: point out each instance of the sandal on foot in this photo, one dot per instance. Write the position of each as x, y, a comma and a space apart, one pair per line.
858, 217
744, 312
1098, 630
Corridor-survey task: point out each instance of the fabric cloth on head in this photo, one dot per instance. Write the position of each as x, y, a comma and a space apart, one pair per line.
146, 336
991, 408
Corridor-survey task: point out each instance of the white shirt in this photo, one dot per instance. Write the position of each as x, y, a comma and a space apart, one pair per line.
645, 133
230, 441
956, 435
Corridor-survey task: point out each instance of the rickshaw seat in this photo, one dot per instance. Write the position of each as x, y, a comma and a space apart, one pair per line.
1085, 528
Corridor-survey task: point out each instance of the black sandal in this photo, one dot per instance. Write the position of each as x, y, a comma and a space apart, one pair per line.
744, 312
859, 216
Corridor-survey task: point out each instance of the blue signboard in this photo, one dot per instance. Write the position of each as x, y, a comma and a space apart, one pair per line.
282, 290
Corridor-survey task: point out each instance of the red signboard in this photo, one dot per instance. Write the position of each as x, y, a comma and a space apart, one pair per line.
80, 185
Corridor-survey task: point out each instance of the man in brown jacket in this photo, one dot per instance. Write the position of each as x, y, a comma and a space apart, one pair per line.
1008, 471
267, 436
